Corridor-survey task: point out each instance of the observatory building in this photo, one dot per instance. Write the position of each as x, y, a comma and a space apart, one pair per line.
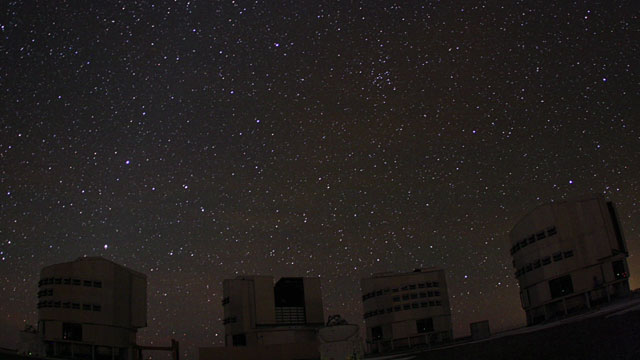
403, 310
260, 318
90, 308
568, 257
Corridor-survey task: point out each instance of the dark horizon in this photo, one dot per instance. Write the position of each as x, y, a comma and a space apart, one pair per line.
196, 141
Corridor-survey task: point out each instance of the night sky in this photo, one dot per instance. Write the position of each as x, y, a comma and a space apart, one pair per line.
196, 141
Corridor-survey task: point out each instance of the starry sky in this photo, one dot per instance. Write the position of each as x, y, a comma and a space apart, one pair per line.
198, 140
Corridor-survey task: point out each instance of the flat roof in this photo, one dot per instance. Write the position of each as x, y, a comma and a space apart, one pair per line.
97, 258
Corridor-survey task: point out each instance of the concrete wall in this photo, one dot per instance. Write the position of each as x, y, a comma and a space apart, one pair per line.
264, 303
314, 310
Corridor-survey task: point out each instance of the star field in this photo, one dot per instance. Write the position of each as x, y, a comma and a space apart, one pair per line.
195, 141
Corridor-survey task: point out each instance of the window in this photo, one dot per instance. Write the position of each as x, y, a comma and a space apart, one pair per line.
415, 305
421, 286
405, 297
97, 307
58, 281
531, 239
436, 293
557, 256
438, 303
536, 264
541, 235
76, 282
546, 260
39, 283
396, 298
430, 293
376, 333
436, 284
379, 292
551, 231
49, 292
523, 243
225, 300
87, 283
429, 284
389, 310
75, 306
239, 340
386, 291
67, 281
405, 288
56, 304
618, 270
561, 286
72, 332
528, 268
568, 254
412, 287
414, 295
397, 308
424, 325
86, 307
432, 303
406, 307
394, 289
424, 304
380, 311
97, 284
423, 295
66, 305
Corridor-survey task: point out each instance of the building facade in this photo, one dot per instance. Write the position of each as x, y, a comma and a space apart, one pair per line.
260, 315
568, 257
90, 308
406, 309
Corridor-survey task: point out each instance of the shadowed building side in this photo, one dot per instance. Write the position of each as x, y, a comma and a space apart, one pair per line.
569, 256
